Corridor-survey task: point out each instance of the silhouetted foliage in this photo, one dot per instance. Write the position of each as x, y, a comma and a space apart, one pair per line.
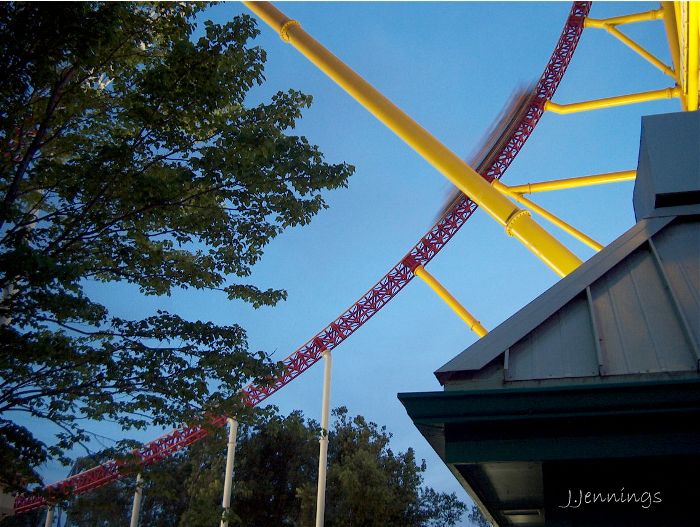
275, 482
128, 155
477, 518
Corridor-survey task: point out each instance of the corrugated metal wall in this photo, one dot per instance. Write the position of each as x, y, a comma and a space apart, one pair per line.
642, 316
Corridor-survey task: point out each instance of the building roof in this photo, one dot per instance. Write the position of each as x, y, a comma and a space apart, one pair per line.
632, 308
598, 377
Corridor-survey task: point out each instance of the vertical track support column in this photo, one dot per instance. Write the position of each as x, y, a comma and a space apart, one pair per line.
228, 475
323, 440
49, 516
136, 505
672, 37
693, 46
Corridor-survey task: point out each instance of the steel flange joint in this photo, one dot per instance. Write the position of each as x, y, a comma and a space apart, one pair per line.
513, 219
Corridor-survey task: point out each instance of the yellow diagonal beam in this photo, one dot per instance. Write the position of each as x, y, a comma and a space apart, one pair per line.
517, 222
583, 238
450, 300
610, 25
634, 46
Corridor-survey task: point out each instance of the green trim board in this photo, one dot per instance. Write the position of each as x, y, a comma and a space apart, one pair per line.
571, 422
517, 450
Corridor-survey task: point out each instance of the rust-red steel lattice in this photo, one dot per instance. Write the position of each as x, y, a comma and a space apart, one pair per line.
369, 304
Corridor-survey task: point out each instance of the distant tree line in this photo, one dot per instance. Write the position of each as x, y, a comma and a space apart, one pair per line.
368, 484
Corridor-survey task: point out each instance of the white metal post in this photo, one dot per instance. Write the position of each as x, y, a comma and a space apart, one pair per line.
49, 517
228, 476
136, 507
323, 440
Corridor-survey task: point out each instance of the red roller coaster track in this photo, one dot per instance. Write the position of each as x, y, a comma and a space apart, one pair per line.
369, 304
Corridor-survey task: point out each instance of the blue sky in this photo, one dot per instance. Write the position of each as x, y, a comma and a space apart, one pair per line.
451, 66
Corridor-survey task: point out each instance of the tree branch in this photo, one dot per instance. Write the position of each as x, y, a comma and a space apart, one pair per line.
56, 95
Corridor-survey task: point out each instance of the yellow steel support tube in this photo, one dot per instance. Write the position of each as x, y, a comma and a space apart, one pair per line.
548, 216
609, 25
693, 39
640, 50
654, 14
517, 222
678, 12
574, 182
451, 301
609, 102
679, 15
672, 36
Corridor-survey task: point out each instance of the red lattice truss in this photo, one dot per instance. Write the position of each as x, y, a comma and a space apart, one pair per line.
368, 305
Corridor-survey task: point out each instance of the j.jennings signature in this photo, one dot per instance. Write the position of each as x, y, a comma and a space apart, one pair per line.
583, 497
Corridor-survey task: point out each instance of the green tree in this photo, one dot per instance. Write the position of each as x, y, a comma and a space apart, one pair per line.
275, 482
129, 155
173, 490
276, 459
477, 518
371, 485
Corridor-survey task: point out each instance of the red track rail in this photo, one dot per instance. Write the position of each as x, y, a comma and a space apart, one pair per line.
368, 305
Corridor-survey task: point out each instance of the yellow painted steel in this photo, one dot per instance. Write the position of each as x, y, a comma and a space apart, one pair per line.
574, 182
609, 102
654, 14
672, 35
583, 238
692, 39
610, 25
679, 17
682, 22
526, 230
451, 301
640, 50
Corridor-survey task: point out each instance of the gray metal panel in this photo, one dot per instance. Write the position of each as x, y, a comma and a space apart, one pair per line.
679, 249
645, 297
644, 314
639, 328
563, 346
668, 172
536, 312
680, 210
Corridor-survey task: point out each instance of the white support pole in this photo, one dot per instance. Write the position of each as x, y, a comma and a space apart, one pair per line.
49, 517
323, 440
228, 476
136, 506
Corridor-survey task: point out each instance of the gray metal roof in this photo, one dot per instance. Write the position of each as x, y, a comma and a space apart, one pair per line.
632, 308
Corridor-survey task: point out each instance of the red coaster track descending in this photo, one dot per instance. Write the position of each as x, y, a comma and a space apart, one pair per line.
370, 303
